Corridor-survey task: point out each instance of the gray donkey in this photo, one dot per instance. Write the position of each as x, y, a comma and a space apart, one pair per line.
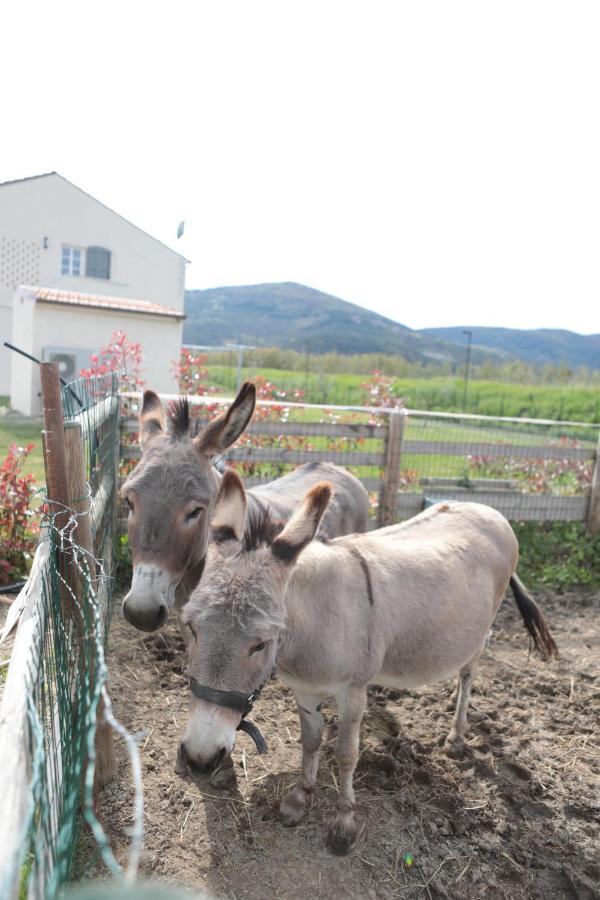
404, 606
171, 492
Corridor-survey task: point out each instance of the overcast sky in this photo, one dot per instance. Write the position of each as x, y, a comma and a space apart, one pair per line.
438, 162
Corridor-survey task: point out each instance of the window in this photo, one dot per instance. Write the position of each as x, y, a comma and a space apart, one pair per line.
97, 262
70, 262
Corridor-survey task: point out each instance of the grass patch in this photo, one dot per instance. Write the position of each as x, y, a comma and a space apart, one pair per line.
21, 434
440, 394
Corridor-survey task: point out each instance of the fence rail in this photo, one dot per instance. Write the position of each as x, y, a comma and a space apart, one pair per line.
530, 470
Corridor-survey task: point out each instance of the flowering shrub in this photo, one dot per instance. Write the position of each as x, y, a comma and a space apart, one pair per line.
379, 391
122, 356
17, 533
537, 476
191, 373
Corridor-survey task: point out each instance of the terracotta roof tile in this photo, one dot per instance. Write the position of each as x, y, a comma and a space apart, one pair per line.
98, 301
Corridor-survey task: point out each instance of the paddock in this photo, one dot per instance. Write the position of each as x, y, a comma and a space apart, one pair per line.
517, 817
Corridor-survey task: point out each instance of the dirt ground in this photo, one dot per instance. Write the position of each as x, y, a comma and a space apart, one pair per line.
518, 817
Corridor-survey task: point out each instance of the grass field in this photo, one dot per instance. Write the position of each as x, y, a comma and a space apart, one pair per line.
21, 435
441, 394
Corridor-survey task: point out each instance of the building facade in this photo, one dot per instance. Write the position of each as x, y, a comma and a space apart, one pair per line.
55, 236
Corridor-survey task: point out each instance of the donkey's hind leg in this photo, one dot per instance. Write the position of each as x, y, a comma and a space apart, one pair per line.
455, 742
293, 805
351, 705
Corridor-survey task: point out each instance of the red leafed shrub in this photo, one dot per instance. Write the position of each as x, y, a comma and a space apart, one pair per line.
18, 535
122, 356
379, 391
192, 374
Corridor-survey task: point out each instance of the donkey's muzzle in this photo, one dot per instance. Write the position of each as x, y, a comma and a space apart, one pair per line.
145, 616
152, 594
185, 763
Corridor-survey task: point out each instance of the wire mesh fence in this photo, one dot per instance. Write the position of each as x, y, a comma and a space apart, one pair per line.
57, 675
528, 469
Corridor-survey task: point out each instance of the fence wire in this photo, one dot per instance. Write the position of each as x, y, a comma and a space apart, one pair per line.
65, 671
534, 470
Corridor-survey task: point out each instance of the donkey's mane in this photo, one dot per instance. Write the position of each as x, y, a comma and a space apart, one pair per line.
261, 529
180, 422
179, 417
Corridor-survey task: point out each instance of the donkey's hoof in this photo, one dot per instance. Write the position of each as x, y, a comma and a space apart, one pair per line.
223, 778
293, 808
342, 837
455, 747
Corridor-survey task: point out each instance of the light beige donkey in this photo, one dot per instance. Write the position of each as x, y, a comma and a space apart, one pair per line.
404, 606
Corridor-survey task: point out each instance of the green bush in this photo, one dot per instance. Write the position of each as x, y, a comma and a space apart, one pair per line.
557, 555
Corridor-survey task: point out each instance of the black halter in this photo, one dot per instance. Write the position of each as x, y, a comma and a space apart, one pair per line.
242, 703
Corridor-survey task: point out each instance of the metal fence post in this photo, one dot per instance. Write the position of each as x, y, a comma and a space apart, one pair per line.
391, 483
592, 522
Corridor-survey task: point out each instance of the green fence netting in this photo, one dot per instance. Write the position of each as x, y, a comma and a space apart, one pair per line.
64, 675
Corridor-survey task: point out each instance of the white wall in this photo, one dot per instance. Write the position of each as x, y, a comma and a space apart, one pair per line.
37, 325
53, 211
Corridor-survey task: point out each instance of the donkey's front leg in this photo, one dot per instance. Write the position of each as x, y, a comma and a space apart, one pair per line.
351, 705
293, 805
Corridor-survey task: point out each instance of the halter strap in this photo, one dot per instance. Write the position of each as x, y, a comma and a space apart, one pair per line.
242, 703
231, 699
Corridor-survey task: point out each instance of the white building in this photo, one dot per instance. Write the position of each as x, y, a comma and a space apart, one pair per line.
78, 254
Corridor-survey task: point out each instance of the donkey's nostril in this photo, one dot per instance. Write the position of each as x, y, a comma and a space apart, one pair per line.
162, 615
181, 763
222, 753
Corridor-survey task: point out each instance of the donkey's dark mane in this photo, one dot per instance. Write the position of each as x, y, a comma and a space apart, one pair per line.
179, 417
261, 529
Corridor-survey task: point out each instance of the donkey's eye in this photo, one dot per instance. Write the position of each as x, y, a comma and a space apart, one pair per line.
194, 513
257, 647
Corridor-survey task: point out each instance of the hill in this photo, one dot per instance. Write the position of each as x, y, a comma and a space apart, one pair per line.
294, 316
536, 347
298, 317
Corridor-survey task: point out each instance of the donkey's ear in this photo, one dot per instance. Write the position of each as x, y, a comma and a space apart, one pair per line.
152, 418
303, 525
229, 514
225, 430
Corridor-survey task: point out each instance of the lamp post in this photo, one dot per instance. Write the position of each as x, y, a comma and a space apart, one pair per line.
467, 366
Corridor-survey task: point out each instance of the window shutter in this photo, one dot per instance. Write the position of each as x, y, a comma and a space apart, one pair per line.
97, 262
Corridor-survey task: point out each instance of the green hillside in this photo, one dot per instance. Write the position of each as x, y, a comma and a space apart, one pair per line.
536, 347
298, 317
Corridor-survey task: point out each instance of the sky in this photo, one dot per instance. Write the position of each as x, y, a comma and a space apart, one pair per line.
438, 162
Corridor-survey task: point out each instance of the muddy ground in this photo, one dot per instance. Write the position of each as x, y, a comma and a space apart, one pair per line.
518, 817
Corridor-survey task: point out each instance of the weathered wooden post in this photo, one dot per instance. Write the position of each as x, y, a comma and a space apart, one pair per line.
393, 454
106, 765
592, 524
66, 488
57, 484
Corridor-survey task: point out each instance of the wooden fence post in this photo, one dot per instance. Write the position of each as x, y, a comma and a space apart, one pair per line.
106, 765
57, 484
592, 523
66, 488
391, 483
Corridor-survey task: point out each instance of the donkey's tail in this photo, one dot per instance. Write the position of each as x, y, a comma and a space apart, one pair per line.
534, 620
